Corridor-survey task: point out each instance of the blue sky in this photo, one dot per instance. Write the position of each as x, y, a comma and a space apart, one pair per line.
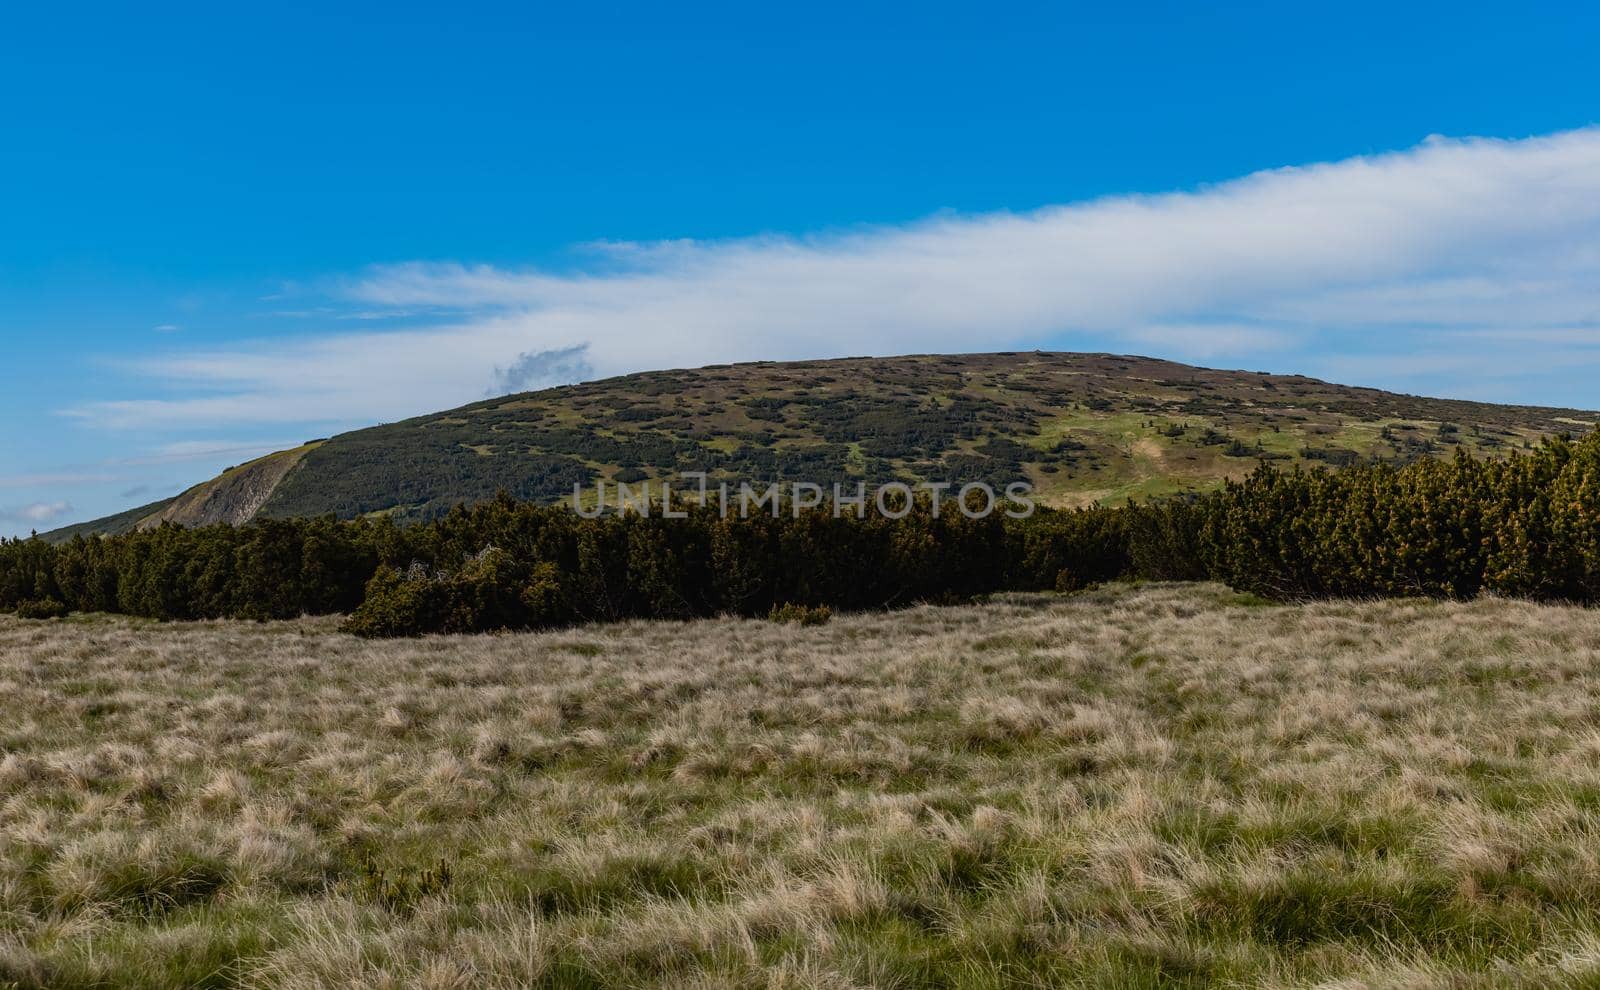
223, 231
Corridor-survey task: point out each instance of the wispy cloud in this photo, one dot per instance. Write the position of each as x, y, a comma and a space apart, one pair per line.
35, 513
182, 451
1393, 251
542, 369
61, 478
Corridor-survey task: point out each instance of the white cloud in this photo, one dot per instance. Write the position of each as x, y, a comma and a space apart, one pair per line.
1206, 341
37, 512
201, 450
55, 478
1452, 237
543, 369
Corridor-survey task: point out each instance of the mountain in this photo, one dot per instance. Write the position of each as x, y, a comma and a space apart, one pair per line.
1081, 427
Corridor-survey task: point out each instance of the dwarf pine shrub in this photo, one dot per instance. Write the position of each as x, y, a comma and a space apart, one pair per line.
41, 608
800, 615
1527, 526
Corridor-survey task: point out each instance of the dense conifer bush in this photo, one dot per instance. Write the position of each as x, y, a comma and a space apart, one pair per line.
800, 615
1527, 526
41, 608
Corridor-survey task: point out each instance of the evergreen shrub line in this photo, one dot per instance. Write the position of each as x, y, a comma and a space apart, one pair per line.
1527, 526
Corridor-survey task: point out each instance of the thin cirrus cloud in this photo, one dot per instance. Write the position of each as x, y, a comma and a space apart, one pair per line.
35, 512
181, 451
54, 479
1447, 245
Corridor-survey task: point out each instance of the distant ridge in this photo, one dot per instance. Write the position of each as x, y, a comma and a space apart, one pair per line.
1080, 427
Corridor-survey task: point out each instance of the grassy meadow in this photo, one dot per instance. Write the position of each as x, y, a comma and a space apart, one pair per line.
1139, 786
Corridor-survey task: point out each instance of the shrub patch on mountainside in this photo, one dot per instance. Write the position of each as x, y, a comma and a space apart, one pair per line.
1082, 428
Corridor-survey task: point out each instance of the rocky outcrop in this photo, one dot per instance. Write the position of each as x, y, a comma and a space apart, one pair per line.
233, 497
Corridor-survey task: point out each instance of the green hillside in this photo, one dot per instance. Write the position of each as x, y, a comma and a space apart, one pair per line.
1081, 427
122, 522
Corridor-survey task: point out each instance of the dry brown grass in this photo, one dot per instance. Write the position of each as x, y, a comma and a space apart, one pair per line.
1132, 787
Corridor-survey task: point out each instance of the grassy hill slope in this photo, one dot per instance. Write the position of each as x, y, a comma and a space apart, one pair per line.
122, 522
234, 496
1081, 427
